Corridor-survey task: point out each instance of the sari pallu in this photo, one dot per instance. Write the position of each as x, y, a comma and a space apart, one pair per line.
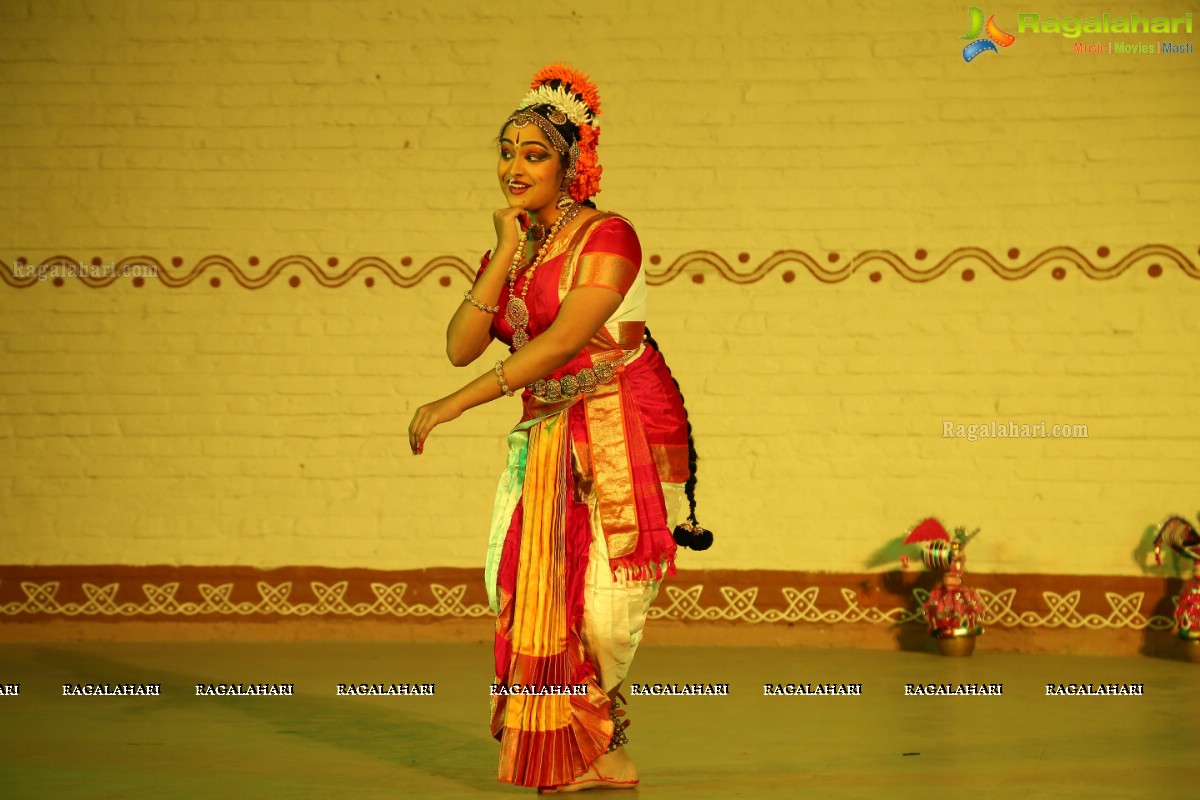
611, 449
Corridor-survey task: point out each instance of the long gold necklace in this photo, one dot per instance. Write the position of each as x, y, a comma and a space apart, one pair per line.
517, 314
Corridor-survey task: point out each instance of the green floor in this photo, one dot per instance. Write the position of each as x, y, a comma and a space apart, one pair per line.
318, 745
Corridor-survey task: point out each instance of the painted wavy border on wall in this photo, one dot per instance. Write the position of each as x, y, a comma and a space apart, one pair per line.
830, 268
35, 594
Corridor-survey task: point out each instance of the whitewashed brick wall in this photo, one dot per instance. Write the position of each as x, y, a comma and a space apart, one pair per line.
203, 425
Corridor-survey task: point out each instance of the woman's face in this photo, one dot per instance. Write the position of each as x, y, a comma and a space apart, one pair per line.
530, 170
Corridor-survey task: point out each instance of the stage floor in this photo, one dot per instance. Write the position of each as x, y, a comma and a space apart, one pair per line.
317, 744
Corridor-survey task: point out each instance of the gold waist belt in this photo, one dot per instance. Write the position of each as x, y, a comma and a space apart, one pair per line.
586, 380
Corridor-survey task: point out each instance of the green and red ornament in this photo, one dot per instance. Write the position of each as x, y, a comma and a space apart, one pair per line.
954, 612
1177, 533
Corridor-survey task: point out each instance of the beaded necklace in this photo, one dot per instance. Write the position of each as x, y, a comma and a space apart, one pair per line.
517, 314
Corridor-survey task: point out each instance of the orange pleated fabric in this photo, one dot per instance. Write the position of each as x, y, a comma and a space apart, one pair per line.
549, 738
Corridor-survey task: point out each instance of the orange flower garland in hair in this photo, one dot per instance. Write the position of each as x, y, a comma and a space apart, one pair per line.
587, 167
574, 82
579, 82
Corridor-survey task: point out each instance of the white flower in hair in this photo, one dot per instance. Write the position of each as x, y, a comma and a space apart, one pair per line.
575, 109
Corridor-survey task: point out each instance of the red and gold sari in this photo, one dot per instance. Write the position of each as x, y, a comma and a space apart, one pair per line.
581, 529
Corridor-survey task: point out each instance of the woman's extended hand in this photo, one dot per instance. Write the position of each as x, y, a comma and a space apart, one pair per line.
427, 417
509, 223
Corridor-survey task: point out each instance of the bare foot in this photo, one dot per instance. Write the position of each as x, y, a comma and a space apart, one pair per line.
613, 770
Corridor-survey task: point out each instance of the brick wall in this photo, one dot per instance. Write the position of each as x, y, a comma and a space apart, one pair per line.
178, 422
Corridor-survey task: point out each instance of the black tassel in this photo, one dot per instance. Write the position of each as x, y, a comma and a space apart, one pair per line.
692, 536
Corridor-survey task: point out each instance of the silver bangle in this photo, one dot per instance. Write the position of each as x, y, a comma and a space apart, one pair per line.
500, 377
485, 308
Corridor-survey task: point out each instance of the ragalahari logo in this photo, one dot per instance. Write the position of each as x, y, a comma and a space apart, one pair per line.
995, 36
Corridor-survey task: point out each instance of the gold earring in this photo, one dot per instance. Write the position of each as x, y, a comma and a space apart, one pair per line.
566, 201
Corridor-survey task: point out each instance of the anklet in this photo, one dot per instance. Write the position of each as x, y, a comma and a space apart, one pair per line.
619, 739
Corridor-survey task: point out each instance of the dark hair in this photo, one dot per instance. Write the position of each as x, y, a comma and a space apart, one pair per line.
689, 534
569, 131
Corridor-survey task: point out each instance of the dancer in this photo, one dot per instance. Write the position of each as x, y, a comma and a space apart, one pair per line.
599, 463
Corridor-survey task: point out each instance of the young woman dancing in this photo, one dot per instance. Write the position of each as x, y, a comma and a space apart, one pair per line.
599, 463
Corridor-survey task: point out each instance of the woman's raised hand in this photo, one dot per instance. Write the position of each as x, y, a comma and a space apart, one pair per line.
509, 224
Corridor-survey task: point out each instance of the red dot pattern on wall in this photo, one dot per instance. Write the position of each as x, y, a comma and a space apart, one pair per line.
1155, 259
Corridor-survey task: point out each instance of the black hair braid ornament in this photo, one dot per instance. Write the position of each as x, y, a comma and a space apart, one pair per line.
687, 534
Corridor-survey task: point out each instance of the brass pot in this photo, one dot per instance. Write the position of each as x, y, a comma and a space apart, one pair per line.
956, 646
1191, 650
